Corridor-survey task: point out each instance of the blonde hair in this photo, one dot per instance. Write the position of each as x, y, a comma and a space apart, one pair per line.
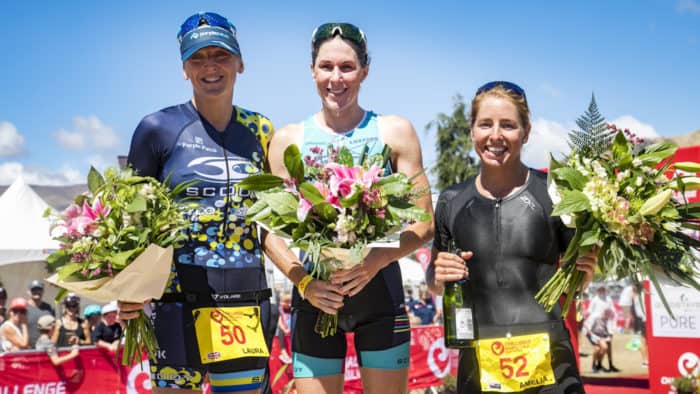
501, 92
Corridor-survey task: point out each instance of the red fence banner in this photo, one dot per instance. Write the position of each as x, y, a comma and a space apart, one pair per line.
97, 371
93, 371
673, 341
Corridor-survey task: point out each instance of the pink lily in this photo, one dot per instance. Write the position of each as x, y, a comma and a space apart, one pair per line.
327, 194
72, 211
303, 209
371, 176
95, 211
343, 179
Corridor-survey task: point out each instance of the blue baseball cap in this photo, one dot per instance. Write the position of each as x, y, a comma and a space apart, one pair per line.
92, 309
207, 29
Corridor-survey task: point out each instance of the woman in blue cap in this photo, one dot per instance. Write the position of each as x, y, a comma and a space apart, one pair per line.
92, 315
368, 298
209, 323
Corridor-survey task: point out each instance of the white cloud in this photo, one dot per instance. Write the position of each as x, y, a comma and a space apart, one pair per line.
88, 132
546, 136
639, 128
550, 90
688, 6
11, 141
66, 175
70, 140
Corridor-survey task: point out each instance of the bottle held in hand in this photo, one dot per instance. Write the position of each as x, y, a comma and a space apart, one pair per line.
458, 307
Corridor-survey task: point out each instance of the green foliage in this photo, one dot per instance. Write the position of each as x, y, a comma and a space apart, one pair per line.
593, 137
454, 163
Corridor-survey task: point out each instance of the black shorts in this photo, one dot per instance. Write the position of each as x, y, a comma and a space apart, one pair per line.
376, 315
640, 326
178, 362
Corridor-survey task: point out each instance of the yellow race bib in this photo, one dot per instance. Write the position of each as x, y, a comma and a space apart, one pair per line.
229, 333
515, 364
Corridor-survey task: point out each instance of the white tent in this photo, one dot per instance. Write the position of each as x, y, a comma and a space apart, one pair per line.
24, 239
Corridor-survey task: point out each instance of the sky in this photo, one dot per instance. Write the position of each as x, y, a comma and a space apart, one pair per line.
78, 76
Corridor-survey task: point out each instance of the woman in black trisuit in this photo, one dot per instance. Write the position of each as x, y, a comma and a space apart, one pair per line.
502, 219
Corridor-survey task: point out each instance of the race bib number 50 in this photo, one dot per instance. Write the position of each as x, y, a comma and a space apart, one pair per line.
515, 364
229, 333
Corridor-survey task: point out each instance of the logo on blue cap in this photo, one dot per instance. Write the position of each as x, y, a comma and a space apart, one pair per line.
207, 29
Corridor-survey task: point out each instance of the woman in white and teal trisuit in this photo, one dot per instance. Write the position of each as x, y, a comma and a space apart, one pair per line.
369, 297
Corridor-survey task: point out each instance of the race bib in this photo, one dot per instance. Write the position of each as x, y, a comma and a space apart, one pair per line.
515, 364
229, 333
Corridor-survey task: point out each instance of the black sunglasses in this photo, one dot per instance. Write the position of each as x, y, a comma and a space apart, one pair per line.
205, 18
345, 30
507, 85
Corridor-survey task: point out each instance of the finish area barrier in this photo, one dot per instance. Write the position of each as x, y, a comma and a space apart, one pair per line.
97, 371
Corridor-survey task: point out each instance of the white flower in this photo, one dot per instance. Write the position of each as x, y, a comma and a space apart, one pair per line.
638, 181
553, 192
622, 175
636, 162
147, 191
600, 170
629, 190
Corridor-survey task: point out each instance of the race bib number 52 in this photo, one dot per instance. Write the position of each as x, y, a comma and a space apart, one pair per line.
515, 364
229, 333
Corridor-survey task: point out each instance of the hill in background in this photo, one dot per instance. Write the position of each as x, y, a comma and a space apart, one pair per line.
689, 139
58, 197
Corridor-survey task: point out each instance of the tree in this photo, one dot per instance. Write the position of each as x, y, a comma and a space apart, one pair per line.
593, 136
454, 164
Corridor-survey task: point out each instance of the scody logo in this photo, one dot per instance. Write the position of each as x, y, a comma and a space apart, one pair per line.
213, 169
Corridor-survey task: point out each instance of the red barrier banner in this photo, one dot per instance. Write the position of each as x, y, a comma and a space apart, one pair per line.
674, 341
93, 371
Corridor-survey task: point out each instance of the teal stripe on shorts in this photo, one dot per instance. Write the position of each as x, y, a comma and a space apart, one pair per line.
308, 366
397, 357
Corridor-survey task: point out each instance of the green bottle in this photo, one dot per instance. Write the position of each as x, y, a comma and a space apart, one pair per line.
458, 308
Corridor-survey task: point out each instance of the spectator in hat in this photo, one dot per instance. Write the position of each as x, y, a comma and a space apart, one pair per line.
108, 332
93, 315
36, 308
13, 331
47, 328
3, 300
71, 329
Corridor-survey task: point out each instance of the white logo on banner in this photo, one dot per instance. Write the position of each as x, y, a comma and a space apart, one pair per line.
685, 303
689, 364
443, 356
139, 379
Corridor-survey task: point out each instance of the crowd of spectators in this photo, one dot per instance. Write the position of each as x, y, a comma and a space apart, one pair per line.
28, 323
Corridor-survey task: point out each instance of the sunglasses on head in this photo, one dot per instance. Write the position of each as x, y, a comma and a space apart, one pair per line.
205, 18
507, 85
345, 30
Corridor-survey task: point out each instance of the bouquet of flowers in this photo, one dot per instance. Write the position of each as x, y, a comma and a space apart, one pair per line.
685, 384
334, 209
620, 201
116, 243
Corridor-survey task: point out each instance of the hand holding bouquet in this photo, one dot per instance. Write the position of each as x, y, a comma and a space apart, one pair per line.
117, 244
619, 200
333, 209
